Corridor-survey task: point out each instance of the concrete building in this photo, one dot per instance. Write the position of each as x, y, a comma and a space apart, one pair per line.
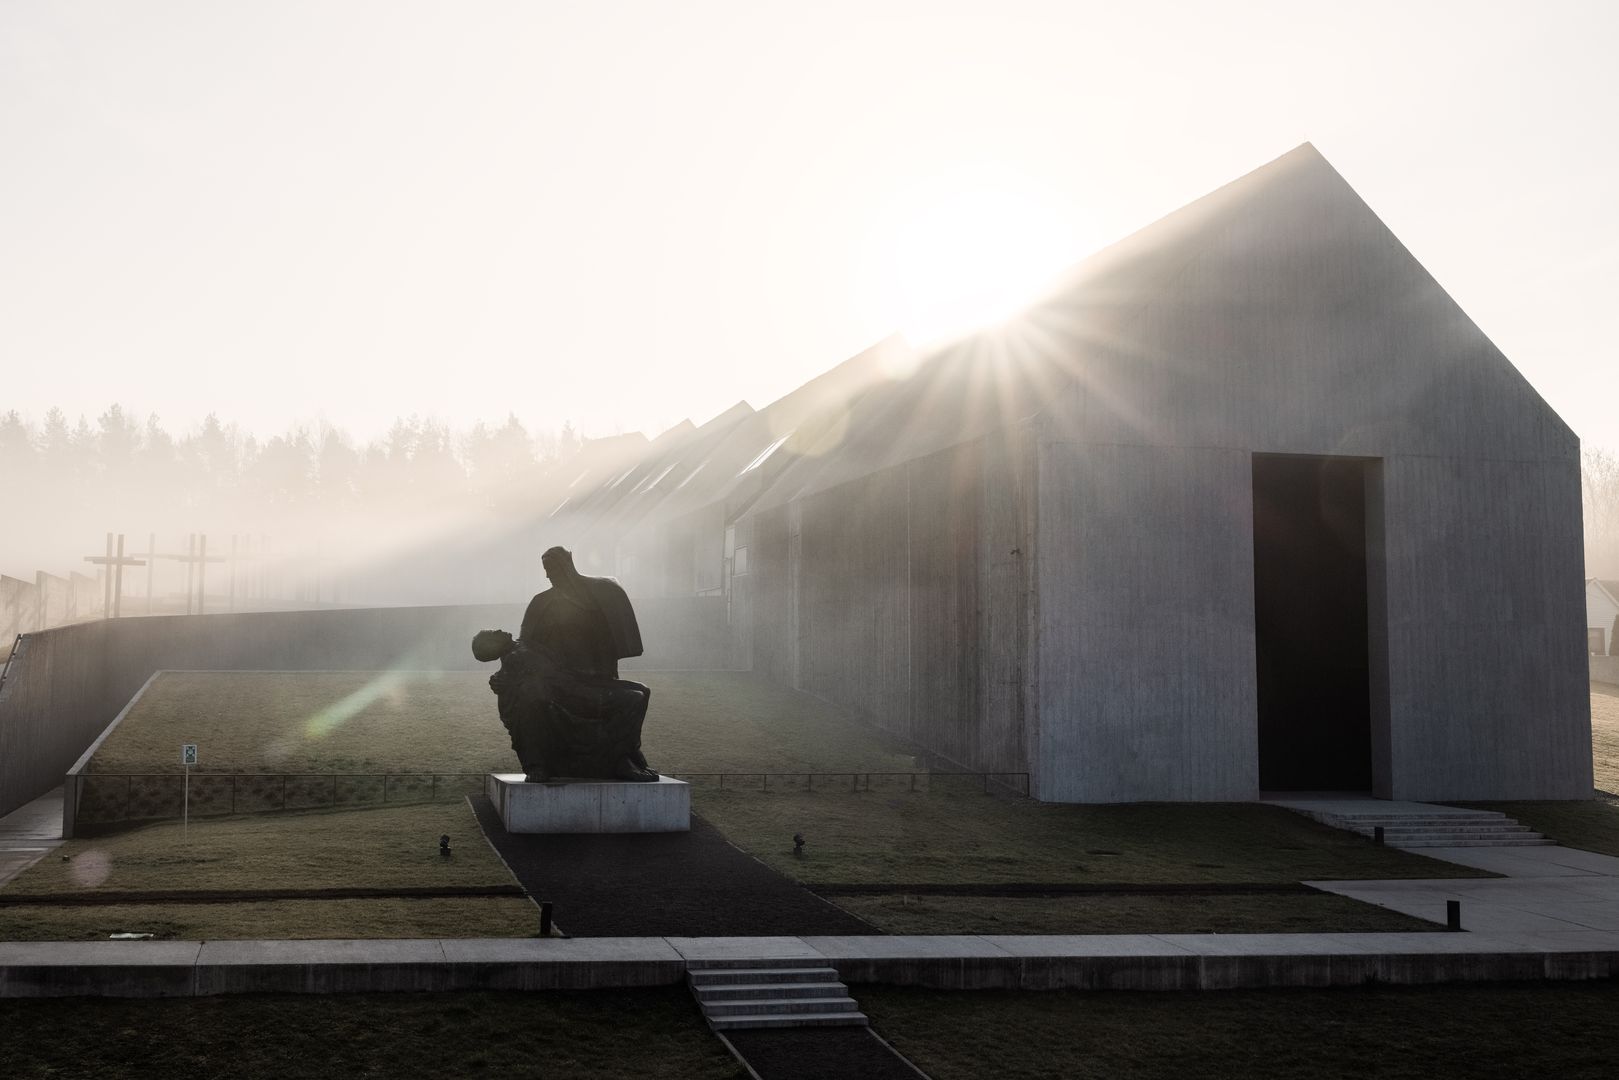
1602, 617
1245, 503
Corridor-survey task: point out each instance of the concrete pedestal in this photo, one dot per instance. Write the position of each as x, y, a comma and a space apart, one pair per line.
590, 806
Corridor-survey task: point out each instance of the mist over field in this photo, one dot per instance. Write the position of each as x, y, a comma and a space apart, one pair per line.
312, 497
319, 497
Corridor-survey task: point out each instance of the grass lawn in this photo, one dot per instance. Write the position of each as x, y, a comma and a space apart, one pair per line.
1566, 1030
446, 722
1591, 824
1304, 913
279, 919
944, 838
384, 847
1605, 736
607, 1034
392, 846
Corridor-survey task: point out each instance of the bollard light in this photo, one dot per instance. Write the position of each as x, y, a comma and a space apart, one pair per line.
798, 844
1453, 914
545, 918
444, 845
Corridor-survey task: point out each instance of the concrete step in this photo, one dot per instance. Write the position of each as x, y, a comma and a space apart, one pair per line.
1424, 829
747, 991
1542, 842
1419, 823
781, 1007
742, 1023
737, 995
744, 976
1482, 833
752, 963
1470, 837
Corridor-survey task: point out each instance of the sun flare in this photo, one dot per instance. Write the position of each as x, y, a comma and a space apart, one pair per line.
972, 257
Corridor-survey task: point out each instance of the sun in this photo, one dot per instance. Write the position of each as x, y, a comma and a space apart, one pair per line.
971, 256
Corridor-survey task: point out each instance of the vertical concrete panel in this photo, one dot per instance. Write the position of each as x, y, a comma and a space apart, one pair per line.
1004, 559
944, 493
1147, 686
1488, 692
1377, 629
769, 627
853, 598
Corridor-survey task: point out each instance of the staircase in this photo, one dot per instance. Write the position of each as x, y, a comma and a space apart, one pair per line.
737, 995
1417, 825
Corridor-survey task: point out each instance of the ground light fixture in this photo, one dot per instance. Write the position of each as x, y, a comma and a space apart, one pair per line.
798, 844
444, 845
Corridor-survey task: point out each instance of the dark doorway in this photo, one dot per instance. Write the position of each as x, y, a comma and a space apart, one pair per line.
1310, 623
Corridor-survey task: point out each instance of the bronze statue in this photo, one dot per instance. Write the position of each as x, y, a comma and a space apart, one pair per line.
561, 700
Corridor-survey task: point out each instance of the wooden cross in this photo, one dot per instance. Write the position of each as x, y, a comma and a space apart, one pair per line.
151, 556
196, 559
241, 550
113, 587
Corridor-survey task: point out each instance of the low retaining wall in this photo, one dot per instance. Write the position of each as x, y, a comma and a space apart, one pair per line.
65, 685
1116, 962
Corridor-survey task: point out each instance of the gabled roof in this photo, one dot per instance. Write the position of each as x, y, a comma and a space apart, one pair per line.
1200, 329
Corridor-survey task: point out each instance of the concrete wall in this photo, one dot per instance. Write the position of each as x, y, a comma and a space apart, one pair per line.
1488, 695
1600, 614
1146, 625
1605, 669
67, 684
1294, 322
903, 597
19, 608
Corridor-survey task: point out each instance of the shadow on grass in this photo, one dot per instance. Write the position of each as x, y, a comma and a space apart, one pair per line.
1390, 1033
612, 1034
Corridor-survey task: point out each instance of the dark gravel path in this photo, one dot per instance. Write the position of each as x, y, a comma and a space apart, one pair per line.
691, 884
820, 1054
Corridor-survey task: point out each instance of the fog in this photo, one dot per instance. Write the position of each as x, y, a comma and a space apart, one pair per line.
312, 516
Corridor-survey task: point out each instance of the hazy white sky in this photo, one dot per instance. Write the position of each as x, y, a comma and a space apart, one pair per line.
626, 214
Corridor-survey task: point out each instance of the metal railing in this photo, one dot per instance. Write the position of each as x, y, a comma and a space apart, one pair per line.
106, 798
11, 654
1014, 783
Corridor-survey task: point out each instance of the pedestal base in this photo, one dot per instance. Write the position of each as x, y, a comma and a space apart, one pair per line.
590, 806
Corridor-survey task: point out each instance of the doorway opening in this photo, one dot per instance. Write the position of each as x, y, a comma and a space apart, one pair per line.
1310, 623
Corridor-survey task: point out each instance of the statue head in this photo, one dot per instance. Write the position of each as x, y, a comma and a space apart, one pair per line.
558, 563
490, 645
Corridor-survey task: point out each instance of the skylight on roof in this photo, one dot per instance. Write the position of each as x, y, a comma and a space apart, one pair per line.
764, 455
648, 485
560, 505
623, 476
691, 474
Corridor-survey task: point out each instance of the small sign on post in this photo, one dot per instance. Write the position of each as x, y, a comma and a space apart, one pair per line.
188, 758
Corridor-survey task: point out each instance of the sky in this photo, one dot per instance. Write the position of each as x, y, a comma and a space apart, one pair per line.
627, 214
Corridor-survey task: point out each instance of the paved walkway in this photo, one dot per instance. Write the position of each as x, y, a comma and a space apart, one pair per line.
1544, 889
1554, 915
1014, 962
29, 833
693, 883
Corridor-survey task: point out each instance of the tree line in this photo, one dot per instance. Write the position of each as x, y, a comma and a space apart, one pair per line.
66, 483
218, 464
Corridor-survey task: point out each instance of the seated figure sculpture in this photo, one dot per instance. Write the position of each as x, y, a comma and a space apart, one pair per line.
561, 725
568, 712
